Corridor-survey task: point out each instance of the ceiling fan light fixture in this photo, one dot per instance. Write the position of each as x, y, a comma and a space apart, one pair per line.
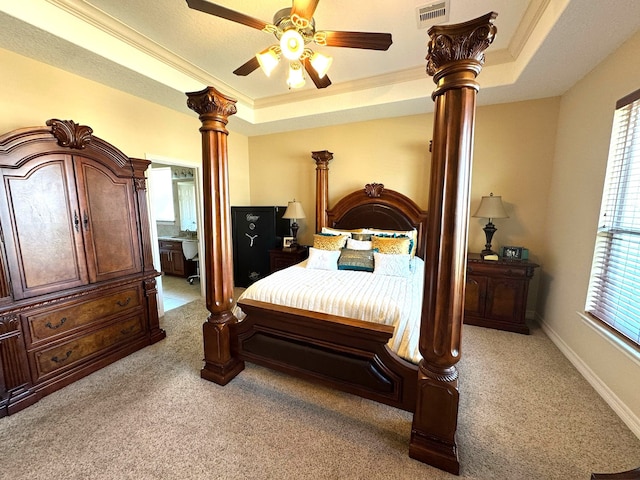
321, 63
292, 44
268, 60
296, 75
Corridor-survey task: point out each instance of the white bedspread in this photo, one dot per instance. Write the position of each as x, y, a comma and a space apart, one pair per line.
365, 296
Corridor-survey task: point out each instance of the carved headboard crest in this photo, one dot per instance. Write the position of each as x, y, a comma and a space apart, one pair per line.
373, 190
70, 134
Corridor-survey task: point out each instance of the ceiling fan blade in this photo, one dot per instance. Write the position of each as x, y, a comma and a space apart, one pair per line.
369, 41
222, 12
323, 82
248, 67
304, 8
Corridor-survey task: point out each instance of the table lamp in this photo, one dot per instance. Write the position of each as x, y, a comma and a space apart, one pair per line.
490, 207
294, 211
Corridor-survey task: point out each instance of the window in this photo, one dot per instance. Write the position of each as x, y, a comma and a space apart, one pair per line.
614, 287
161, 193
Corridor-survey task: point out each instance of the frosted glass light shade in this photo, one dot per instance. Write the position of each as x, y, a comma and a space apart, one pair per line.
296, 75
292, 44
268, 61
321, 63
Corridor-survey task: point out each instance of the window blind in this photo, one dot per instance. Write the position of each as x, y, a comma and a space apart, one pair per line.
614, 287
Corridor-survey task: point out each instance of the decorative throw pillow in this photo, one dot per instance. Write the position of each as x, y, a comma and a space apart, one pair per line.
361, 260
361, 236
329, 242
323, 259
396, 265
336, 231
391, 245
358, 244
412, 234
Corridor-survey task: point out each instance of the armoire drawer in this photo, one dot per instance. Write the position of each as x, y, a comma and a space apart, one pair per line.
65, 318
68, 354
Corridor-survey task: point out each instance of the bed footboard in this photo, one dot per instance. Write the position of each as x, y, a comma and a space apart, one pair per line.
347, 354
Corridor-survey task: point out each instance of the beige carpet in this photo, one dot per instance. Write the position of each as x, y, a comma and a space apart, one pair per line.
525, 413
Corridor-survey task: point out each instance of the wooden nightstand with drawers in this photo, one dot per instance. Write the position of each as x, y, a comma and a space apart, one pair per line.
496, 293
280, 258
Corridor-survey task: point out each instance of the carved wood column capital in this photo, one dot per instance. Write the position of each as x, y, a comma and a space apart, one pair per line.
213, 107
456, 52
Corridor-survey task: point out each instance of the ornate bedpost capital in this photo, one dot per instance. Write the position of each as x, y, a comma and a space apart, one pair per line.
459, 49
322, 158
212, 106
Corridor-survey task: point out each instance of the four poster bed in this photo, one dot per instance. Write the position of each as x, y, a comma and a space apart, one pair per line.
339, 351
346, 353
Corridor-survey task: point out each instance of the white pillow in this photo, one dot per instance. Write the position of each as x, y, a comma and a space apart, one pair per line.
358, 244
323, 259
335, 231
392, 265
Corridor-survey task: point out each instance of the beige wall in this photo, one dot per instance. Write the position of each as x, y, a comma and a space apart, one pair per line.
33, 92
512, 158
584, 129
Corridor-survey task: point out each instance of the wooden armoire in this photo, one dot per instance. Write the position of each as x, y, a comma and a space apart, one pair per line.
77, 282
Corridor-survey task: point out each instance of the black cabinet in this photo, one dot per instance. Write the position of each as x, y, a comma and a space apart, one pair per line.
256, 230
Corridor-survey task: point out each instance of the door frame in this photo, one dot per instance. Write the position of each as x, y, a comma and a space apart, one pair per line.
197, 178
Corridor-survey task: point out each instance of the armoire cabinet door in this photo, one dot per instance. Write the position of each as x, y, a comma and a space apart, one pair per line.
109, 221
44, 243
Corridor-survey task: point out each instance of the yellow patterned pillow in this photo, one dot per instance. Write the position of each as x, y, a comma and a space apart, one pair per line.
391, 245
412, 234
329, 242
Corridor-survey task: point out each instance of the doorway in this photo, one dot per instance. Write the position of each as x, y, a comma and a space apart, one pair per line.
175, 208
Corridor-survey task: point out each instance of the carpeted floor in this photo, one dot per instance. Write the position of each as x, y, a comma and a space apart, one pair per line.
525, 413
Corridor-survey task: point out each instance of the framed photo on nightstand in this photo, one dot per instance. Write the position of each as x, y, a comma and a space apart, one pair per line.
286, 243
512, 253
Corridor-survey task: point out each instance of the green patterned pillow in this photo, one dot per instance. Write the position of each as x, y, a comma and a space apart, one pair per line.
391, 245
361, 260
329, 242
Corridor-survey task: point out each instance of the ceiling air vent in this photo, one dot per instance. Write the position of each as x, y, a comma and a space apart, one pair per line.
432, 13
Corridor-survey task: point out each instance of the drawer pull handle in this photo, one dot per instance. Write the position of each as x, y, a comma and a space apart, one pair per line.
60, 360
76, 221
127, 331
125, 303
55, 327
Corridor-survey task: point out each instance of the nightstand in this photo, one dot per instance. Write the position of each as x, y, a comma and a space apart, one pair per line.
496, 293
280, 258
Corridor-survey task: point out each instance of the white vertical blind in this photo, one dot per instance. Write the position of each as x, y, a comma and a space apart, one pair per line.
614, 288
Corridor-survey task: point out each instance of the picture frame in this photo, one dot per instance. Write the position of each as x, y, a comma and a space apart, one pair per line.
512, 253
287, 242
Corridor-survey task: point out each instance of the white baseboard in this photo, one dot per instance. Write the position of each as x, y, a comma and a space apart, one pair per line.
619, 407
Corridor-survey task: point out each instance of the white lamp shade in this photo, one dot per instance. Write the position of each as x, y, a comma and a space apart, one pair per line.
292, 44
491, 207
268, 60
294, 211
321, 63
296, 75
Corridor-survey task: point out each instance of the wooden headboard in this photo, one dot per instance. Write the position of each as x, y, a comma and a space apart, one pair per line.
377, 207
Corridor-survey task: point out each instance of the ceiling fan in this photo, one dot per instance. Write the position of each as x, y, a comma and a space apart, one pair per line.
295, 29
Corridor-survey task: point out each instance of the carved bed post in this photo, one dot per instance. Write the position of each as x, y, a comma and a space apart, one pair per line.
455, 58
214, 109
322, 159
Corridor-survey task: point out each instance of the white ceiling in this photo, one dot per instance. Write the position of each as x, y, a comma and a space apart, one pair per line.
160, 49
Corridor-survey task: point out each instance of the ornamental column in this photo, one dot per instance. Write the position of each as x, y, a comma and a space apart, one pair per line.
322, 158
214, 109
454, 59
